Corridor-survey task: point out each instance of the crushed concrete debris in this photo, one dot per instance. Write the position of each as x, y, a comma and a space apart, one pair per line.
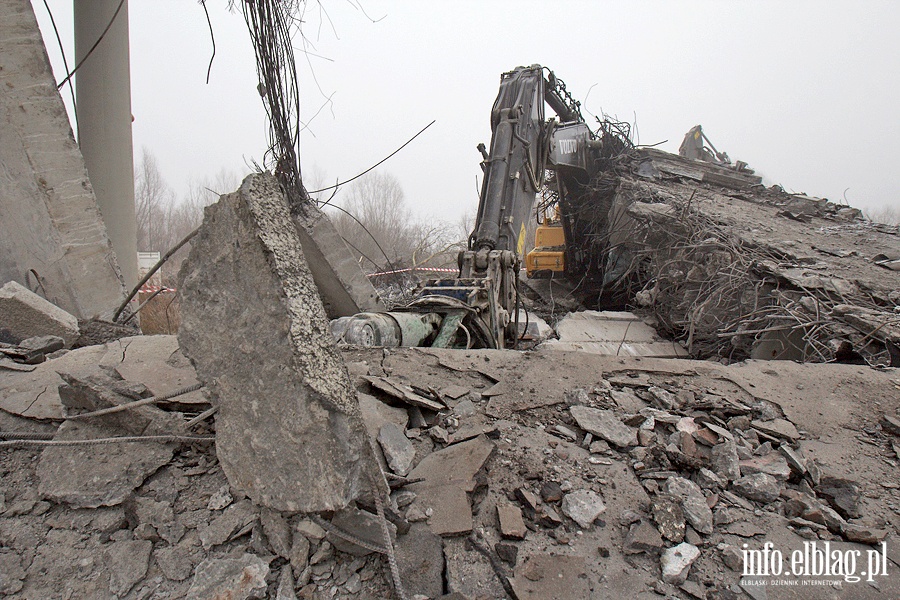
303, 423
456, 528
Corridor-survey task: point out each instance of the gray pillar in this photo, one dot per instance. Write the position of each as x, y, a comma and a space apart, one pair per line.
103, 88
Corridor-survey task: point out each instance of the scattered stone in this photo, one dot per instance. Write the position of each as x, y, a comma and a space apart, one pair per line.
709, 480
724, 460
565, 432
220, 499
693, 503
24, 314
289, 432
439, 434
285, 589
733, 558
759, 486
528, 498
231, 578
794, 459
236, 519
549, 517
311, 530
780, 428
604, 424
512, 526
772, 464
508, 553
891, 424
127, 562
361, 524
277, 532
299, 553
551, 492
398, 450
420, 557
583, 507
465, 408
842, 494
643, 537
662, 398
863, 534
676, 562
668, 516
174, 562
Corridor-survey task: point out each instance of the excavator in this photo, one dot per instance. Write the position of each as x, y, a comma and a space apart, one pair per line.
530, 155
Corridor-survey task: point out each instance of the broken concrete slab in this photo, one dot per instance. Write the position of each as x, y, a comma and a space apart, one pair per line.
512, 526
457, 465
693, 503
604, 424
398, 450
420, 557
583, 506
376, 413
676, 562
611, 333
781, 428
342, 284
289, 429
236, 519
361, 524
552, 578
155, 361
24, 314
232, 578
96, 475
642, 537
446, 507
127, 562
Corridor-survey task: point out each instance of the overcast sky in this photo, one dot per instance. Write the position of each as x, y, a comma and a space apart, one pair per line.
807, 93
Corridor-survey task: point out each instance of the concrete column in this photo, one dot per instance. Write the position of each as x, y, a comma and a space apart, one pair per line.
103, 90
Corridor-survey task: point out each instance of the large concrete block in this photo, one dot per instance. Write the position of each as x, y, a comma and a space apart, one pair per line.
289, 428
52, 236
24, 314
343, 286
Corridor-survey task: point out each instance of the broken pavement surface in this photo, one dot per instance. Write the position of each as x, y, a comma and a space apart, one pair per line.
201, 533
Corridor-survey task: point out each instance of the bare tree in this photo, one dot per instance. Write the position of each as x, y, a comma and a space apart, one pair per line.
887, 214
153, 197
379, 227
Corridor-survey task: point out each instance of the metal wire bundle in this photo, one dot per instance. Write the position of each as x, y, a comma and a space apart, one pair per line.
271, 24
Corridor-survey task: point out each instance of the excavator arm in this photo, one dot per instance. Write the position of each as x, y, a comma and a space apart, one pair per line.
478, 308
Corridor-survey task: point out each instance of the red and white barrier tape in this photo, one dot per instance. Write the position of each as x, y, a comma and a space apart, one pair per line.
426, 269
149, 289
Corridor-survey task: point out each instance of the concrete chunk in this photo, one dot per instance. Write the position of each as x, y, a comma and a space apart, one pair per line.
605, 424
289, 430
24, 314
233, 578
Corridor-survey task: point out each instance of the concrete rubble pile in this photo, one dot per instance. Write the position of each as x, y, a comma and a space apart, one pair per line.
630, 476
736, 270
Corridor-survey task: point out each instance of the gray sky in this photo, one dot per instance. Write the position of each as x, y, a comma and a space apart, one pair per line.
805, 92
